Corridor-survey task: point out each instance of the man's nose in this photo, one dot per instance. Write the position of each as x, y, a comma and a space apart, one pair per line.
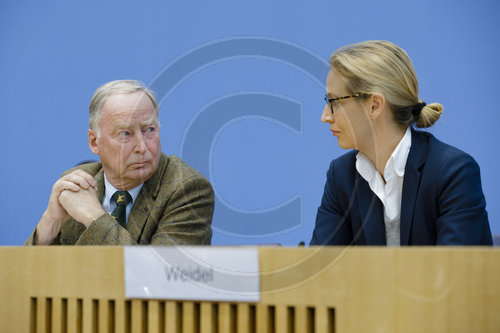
140, 144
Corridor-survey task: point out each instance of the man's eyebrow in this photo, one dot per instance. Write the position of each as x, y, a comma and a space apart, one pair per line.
152, 121
116, 126
125, 125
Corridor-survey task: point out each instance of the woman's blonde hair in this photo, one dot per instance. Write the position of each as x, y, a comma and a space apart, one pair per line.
377, 66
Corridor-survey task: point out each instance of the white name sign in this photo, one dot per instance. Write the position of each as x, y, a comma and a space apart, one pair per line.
192, 273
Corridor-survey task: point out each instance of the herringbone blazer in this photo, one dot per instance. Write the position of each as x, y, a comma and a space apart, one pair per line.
175, 206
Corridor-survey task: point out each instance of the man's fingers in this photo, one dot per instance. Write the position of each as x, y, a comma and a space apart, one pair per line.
67, 185
88, 178
81, 178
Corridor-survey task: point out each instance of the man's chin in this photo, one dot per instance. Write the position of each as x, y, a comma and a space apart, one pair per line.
140, 172
143, 174
137, 175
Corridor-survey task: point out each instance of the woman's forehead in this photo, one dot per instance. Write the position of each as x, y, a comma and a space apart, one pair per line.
336, 84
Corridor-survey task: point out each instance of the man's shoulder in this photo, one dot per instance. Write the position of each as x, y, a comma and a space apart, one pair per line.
91, 168
173, 172
172, 166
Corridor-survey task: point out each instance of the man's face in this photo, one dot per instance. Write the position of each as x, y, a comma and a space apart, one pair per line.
129, 143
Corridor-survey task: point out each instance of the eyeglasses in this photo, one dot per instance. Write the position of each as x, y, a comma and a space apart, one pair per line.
330, 101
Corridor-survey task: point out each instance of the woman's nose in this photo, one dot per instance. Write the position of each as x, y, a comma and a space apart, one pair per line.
327, 116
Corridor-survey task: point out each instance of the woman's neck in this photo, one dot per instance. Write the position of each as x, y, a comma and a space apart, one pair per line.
385, 140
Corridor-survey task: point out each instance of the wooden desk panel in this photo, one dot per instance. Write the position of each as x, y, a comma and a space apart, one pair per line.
81, 289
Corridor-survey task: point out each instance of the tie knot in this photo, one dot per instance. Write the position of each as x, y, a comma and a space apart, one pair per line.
122, 198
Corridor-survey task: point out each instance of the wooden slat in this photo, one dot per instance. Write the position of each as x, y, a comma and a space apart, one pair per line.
322, 320
72, 322
261, 318
173, 323
103, 316
281, 319
57, 315
153, 316
187, 317
300, 320
224, 317
121, 322
138, 316
87, 320
41, 319
242, 318
207, 318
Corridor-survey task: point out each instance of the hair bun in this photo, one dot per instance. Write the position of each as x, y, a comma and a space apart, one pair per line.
429, 114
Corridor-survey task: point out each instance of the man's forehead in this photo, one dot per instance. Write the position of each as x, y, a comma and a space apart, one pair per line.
133, 119
128, 101
128, 105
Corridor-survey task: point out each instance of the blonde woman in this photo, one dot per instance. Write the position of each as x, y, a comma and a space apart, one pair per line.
398, 186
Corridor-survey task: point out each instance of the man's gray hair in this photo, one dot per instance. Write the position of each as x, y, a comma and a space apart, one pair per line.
115, 87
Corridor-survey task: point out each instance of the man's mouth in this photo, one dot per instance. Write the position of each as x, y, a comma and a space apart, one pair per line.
140, 164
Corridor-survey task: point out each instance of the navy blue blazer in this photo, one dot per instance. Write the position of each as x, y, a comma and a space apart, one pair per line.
442, 201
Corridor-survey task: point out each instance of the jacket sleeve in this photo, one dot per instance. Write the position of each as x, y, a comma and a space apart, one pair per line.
31, 240
104, 231
332, 222
463, 219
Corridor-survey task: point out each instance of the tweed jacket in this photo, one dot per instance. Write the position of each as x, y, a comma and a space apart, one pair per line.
175, 206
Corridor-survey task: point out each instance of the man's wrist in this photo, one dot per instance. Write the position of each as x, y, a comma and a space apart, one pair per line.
45, 231
92, 216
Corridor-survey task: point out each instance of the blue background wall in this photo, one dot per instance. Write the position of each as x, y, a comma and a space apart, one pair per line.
241, 85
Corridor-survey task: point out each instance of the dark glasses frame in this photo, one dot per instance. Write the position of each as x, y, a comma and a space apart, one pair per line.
330, 101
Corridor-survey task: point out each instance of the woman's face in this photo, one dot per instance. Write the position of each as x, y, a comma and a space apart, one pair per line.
349, 121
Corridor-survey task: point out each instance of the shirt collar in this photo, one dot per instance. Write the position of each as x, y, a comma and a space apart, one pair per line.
395, 164
109, 190
398, 158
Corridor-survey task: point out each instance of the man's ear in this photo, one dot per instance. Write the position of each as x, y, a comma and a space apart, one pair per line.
377, 105
93, 141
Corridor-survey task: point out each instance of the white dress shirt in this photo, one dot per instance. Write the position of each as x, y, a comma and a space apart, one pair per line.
108, 204
389, 192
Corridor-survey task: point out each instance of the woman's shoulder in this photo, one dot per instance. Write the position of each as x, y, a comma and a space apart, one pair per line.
344, 166
440, 152
345, 160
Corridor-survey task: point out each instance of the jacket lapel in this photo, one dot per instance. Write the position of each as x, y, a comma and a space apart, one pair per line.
99, 177
411, 183
371, 215
145, 201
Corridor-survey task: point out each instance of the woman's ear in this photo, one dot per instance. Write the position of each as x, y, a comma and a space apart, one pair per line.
376, 105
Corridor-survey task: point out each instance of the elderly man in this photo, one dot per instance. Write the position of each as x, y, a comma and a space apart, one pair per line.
135, 194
